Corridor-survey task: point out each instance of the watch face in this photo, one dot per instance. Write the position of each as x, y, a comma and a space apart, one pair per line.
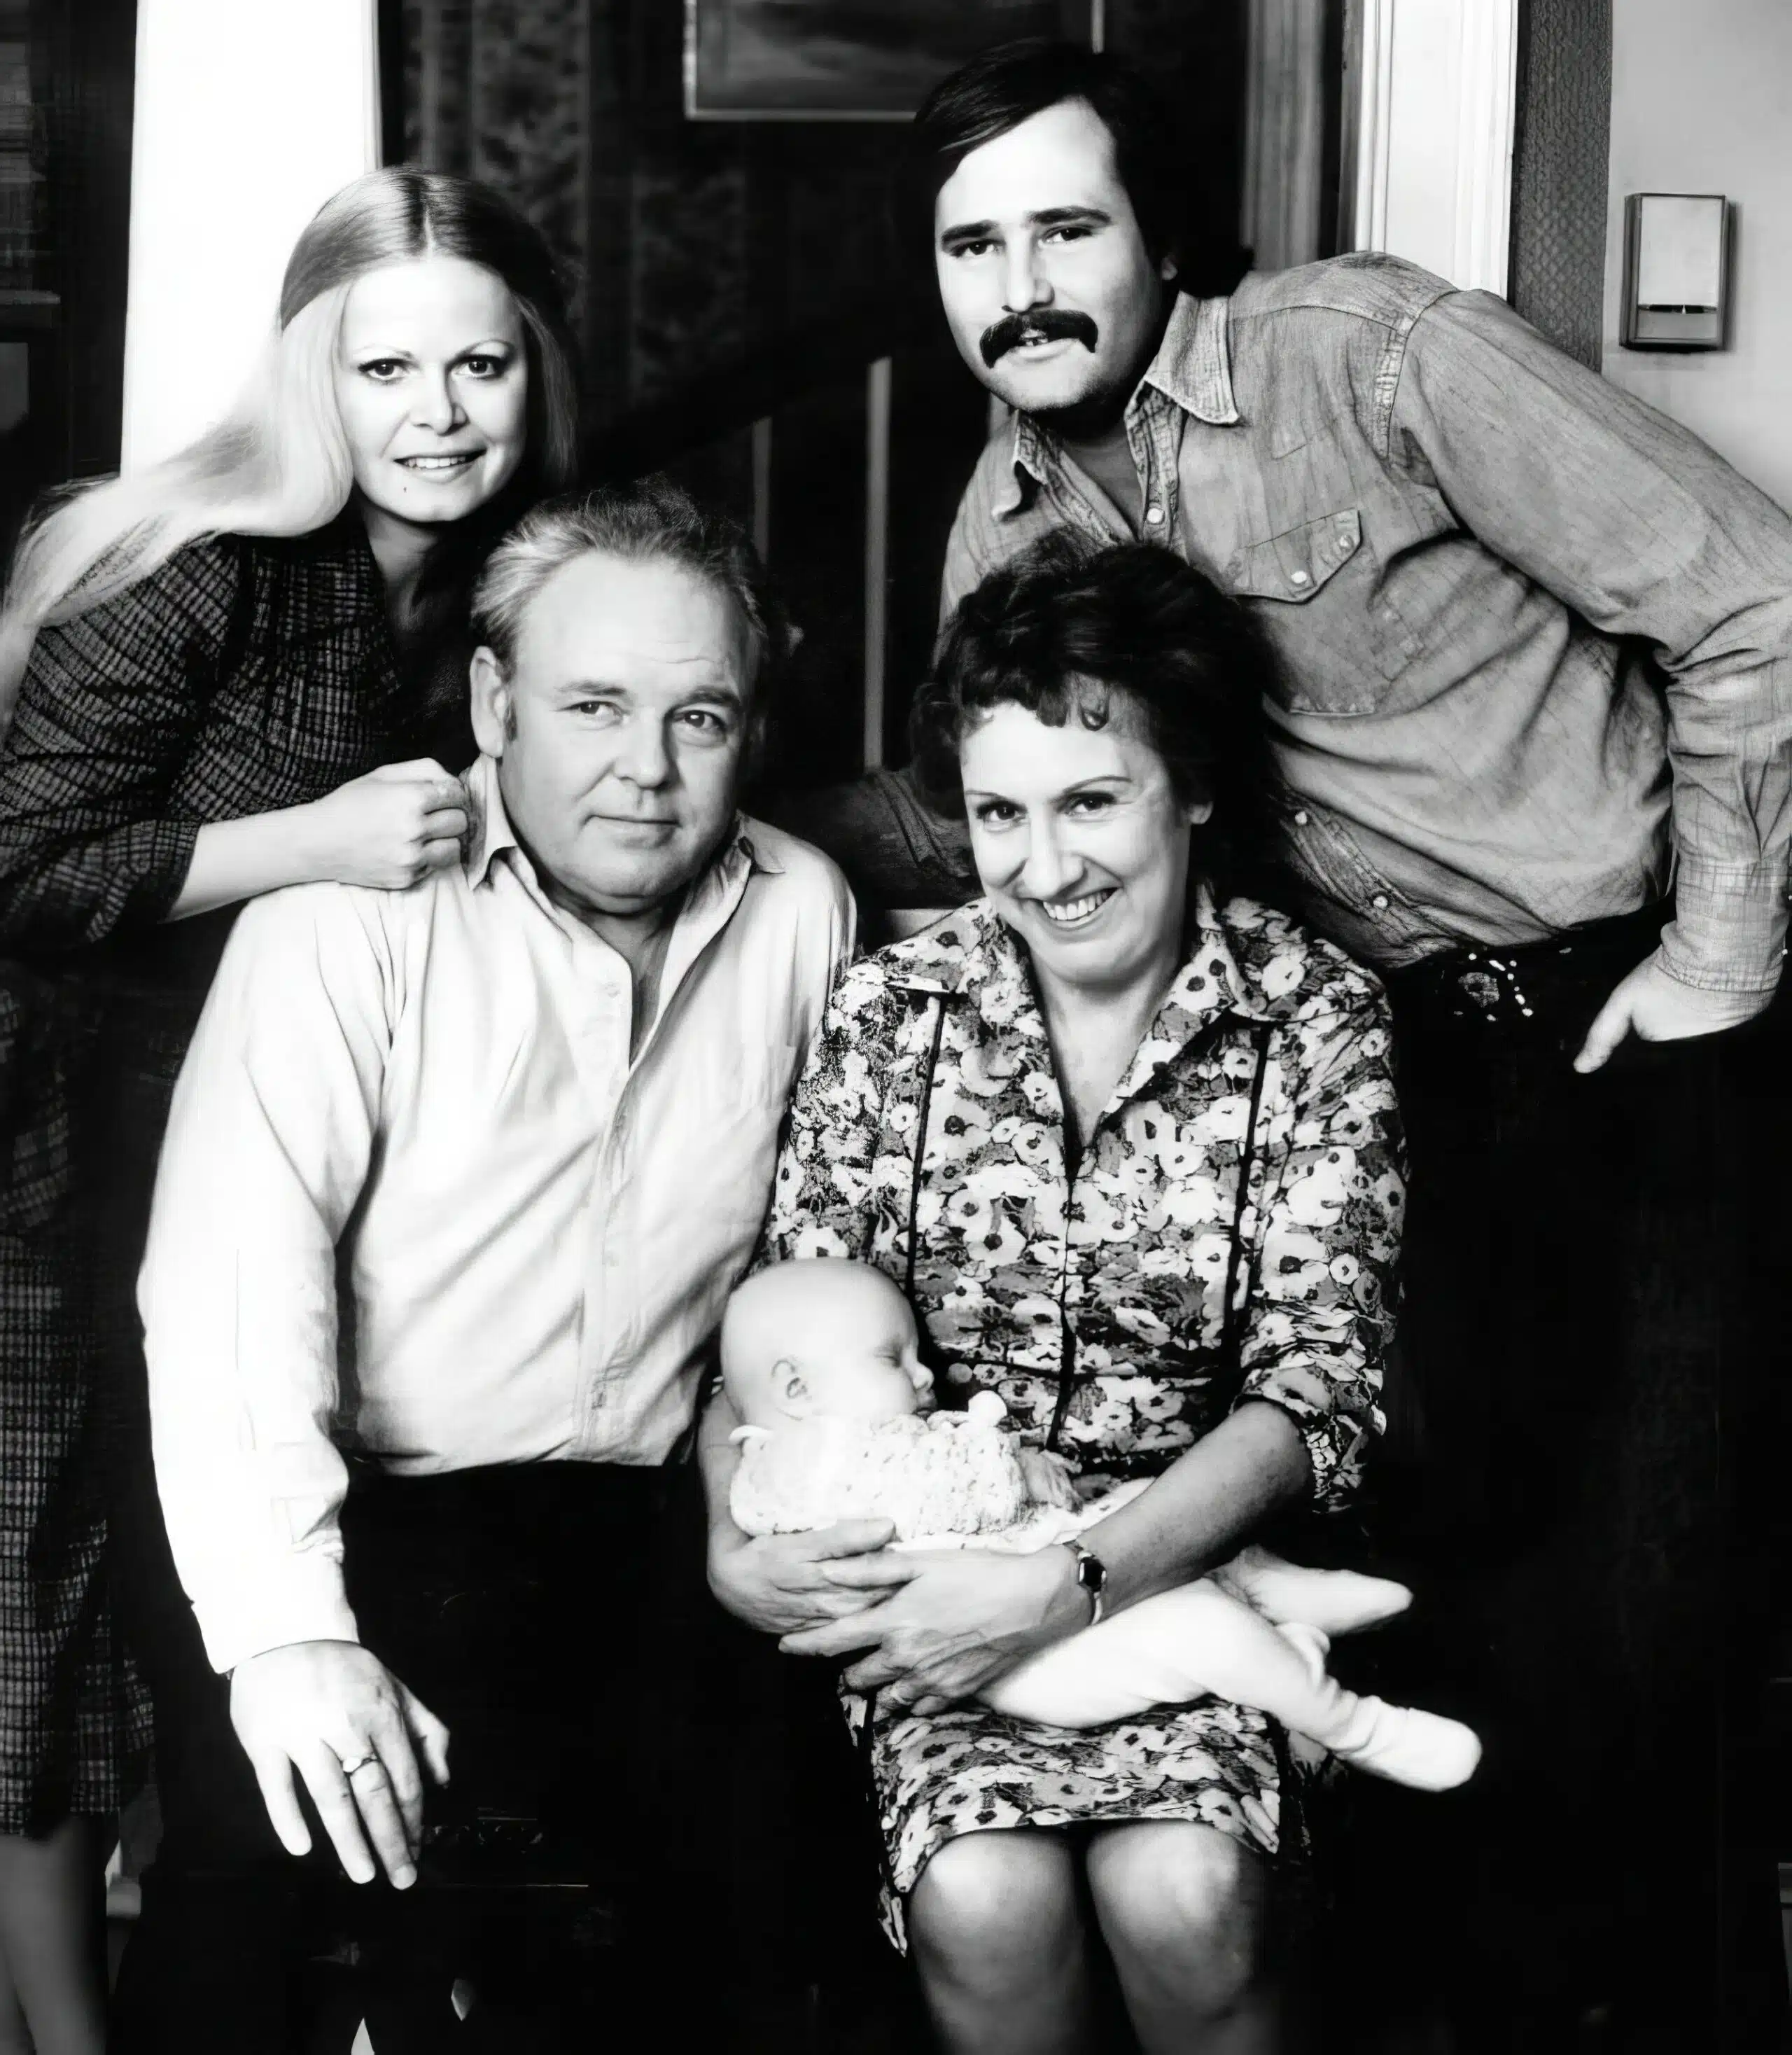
1092, 1573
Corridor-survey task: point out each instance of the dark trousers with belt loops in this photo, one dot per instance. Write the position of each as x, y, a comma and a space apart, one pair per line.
1586, 1483
608, 1725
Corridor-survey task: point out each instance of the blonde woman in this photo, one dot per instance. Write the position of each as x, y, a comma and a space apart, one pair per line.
236, 670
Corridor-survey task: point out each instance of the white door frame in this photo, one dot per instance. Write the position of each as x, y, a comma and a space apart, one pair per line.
249, 115
1430, 92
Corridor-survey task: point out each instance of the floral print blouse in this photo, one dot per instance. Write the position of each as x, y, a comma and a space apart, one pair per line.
1231, 1230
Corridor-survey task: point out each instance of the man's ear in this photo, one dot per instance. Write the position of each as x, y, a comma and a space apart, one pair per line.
492, 721
1166, 269
789, 1389
1197, 812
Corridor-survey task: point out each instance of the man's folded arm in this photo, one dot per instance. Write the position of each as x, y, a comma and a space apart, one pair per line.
1647, 533
268, 1148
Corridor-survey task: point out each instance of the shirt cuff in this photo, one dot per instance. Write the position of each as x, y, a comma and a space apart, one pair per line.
267, 1606
1335, 1441
165, 858
1728, 932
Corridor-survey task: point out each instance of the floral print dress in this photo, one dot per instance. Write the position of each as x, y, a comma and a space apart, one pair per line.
1229, 1233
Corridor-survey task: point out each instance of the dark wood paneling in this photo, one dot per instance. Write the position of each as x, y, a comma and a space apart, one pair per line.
1560, 152
727, 271
64, 262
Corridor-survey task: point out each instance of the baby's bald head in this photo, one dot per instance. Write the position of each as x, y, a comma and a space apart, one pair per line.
816, 1336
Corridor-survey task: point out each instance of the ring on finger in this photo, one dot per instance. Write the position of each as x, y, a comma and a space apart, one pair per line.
352, 1770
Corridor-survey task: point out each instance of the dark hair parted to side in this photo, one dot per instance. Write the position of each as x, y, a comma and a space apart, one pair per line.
651, 520
1001, 88
1065, 626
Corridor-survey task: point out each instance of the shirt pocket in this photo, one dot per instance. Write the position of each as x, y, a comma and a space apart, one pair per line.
1301, 561
1331, 660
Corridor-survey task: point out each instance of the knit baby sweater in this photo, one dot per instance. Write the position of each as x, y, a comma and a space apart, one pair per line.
951, 1473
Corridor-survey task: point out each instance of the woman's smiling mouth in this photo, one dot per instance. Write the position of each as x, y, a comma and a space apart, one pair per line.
1073, 913
436, 466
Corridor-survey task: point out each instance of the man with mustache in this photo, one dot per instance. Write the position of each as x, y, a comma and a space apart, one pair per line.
1536, 725
527, 1114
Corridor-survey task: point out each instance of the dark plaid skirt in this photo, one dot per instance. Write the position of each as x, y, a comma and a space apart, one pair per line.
74, 1717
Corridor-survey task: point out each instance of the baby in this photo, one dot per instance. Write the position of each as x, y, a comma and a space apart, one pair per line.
819, 1360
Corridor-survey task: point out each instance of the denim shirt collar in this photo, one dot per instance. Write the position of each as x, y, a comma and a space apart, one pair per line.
1193, 365
1193, 368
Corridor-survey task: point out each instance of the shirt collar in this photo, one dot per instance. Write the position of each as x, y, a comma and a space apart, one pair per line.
972, 958
1193, 368
973, 954
1193, 365
489, 834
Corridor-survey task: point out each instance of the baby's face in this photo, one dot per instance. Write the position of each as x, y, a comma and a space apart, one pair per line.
877, 1377
822, 1338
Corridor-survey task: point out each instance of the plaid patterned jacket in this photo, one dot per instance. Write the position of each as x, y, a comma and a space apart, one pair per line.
247, 675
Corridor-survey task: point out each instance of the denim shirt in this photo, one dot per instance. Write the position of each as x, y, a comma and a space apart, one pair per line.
1535, 640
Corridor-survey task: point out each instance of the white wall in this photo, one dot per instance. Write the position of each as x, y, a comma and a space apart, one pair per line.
249, 115
1702, 102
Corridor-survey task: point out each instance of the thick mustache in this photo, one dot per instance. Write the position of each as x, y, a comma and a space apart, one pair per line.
1044, 324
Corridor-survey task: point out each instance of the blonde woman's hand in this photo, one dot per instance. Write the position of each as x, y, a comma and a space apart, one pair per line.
390, 828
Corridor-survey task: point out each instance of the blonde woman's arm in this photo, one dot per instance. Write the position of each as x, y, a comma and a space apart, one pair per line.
91, 840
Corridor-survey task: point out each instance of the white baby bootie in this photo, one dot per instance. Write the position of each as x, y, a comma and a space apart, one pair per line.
1408, 1746
1399, 1742
1334, 1601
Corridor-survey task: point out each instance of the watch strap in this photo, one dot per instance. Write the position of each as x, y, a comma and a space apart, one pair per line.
1092, 1576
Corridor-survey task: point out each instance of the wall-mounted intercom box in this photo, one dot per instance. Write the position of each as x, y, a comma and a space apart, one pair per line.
1677, 270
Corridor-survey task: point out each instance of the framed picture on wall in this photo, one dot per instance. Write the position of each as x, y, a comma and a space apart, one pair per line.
849, 60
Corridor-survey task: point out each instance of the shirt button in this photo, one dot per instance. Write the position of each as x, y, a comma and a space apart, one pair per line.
1302, 818
1154, 515
1299, 577
1379, 902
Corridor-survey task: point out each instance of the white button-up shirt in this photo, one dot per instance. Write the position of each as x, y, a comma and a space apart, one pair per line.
538, 1233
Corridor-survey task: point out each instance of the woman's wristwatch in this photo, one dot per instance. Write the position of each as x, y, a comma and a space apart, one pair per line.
1092, 1576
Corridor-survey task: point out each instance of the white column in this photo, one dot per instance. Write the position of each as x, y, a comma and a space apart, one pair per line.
1432, 87
250, 114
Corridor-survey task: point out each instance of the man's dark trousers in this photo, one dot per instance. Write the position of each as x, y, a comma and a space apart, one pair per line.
1590, 1395
542, 1612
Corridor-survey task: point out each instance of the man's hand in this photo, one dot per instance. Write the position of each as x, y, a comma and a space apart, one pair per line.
333, 1710
1655, 1008
779, 1583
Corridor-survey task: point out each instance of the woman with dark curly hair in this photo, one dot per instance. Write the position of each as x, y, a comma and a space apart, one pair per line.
1128, 1139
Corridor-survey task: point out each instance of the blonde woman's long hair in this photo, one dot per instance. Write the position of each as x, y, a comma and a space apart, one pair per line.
278, 464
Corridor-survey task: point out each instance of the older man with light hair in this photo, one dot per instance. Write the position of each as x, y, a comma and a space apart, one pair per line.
520, 1121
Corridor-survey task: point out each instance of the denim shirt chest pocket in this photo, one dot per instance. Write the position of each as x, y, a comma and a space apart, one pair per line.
1313, 588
